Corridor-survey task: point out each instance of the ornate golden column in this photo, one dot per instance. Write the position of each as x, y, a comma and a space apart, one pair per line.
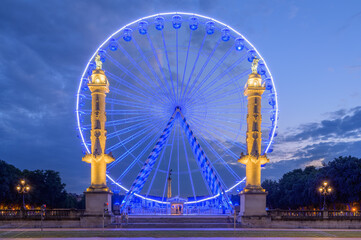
253, 160
99, 87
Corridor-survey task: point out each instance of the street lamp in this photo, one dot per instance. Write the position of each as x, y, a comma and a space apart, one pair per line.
23, 188
325, 190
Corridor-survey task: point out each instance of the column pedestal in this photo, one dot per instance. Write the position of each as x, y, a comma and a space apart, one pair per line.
253, 203
94, 215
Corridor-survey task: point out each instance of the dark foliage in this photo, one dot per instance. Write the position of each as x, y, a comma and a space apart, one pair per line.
46, 188
9, 179
299, 188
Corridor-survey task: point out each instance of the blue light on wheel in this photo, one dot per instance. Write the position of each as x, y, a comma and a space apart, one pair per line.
113, 45
193, 23
143, 25
127, 34
225, 34
239, 44
210, 28
159, 23
177, 21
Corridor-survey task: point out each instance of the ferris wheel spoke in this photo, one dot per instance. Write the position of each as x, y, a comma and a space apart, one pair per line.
211, 163
126, 120
216, 132
170, 159
215, 103
185, 64
125, 112
218, 117
210, 97
178, 128
224, 73
155, 75
142, 124
226, 84
128, 103
215, 153
215, 67
189, 169
137, 66
159, 65
168, 64
218, 128
128, 72
203, 67
133, 97
128, 85
130, 138
137, 159
177, 62
195, 64
214, 99
156, 170
153, 129
220, 145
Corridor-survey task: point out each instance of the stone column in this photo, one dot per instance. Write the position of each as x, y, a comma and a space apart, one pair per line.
253, 197
98, 195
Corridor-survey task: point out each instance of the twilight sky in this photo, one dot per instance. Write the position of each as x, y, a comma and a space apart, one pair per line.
313, 49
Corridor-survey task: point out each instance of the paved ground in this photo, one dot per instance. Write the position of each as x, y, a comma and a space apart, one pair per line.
231, 238
183, 229
199, 234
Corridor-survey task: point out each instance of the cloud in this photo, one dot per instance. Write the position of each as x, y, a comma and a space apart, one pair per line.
349, 22
293, 12
315, 163
316, 143
347, 126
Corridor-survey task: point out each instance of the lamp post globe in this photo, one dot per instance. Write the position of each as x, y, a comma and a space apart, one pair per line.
22, 189
325, 190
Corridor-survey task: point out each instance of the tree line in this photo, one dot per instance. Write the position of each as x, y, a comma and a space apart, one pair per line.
46, 187
298, 189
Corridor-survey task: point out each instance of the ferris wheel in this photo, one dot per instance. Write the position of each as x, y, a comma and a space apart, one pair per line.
176, 98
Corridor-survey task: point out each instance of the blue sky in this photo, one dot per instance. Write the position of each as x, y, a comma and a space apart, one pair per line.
312, 48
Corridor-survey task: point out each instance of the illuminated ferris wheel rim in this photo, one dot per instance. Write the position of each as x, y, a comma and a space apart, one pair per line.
159, 15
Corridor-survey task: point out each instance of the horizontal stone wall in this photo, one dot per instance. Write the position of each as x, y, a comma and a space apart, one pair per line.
268, 222
37, 224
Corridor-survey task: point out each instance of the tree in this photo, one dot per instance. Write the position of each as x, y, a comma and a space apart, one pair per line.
9, 179
273, 193
299, 188
46, 188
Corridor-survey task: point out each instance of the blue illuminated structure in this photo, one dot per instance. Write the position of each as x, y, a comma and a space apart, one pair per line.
169, 60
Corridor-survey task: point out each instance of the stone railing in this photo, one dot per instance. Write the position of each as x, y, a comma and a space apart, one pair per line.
344, 214
295, 214
36, 214
312, 214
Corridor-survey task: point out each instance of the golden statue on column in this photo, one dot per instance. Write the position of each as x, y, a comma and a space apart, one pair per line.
99, 87
253, 197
